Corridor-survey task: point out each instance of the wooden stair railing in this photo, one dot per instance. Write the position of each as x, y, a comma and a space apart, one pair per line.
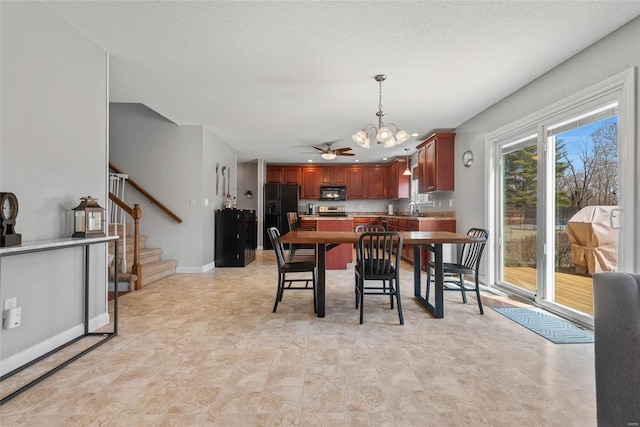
152, 199
135, 213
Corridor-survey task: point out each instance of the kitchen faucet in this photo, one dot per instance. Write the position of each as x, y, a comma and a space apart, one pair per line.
414, 208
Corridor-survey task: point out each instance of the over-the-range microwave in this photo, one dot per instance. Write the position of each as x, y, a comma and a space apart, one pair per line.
333, 193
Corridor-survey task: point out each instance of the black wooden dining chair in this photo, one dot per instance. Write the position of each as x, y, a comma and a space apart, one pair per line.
286, 267
299, 252
379, 260
370, 228
468, 263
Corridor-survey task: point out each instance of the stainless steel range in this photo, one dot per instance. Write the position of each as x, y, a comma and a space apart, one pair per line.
332, 211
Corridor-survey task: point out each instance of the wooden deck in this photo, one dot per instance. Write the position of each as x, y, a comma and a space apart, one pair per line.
572, 290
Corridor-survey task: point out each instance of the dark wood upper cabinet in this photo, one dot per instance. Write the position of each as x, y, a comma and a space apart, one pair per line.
436, 163
326, 176
340, 175
362, 181
355, 183
333, 175
283, 174
399, 184
274, 174
291, 175
310, 187
376, 182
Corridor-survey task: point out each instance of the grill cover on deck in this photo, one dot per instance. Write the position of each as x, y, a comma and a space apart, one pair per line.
594, 244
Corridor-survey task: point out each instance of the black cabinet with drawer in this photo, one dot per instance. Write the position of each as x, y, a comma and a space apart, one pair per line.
235, 237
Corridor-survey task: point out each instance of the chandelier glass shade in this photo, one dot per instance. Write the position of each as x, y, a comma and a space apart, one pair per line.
383, 134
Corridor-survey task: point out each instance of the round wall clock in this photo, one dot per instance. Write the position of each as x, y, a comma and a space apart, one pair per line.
8, 214
467, 158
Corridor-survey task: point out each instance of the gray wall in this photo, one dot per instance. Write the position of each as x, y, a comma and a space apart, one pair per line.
175, 164
53, 150
617, 52
248, 180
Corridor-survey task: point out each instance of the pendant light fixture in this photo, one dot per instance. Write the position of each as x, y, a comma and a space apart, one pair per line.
407, 171
382, 133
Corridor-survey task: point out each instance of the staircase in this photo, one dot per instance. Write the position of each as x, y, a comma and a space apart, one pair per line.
152, 266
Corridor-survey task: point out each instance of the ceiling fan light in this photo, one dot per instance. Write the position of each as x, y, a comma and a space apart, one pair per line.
402, 136
384, 134
329, 156
390, 142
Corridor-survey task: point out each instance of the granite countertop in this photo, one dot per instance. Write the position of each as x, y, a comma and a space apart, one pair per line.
425, 216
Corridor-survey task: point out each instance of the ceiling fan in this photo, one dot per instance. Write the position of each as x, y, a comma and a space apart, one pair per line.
329, 153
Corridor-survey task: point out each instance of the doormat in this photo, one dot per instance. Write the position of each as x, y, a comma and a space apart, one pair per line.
553, 328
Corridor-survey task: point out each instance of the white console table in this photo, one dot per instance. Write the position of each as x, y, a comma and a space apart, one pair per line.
51, 245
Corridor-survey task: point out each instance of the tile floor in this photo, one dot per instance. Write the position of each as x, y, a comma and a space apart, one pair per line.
205, 349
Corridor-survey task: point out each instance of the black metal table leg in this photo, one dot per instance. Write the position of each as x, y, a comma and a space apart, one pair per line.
322, 273
438, 310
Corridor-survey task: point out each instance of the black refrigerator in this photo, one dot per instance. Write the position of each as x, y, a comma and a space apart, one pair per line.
278, 200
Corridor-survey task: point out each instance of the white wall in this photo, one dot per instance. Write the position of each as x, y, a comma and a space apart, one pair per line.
615, 53
175, 164
53, 150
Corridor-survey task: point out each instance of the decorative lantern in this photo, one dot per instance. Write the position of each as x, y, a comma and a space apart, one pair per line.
88, 218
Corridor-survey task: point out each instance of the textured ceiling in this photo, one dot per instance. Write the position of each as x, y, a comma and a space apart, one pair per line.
273, 78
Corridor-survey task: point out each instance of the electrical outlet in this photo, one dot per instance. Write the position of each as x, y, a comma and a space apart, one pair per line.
192, 202
450, 202
10, 303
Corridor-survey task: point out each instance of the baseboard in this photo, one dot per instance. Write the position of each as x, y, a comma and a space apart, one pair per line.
25, 356
195, 270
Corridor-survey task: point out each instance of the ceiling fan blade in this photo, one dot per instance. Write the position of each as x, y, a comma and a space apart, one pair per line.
318, 148
345, 154
342, 150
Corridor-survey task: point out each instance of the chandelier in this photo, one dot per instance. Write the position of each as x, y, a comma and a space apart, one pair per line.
382, 133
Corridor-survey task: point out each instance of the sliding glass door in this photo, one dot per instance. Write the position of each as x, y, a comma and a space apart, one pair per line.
558, 215
582, 188
518, 214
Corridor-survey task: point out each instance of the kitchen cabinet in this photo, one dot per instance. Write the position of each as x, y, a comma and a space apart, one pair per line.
362, 220
274, 174
291, 175
415, 224
308, 224
283, 174
376, 182
235, 244
339, 175
355, 183
436, 163
310, 188
399, 184
333, 175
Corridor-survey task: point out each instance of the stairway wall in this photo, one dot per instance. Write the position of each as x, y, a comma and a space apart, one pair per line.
177, 165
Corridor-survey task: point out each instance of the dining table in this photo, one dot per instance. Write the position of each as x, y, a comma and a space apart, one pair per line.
431, 240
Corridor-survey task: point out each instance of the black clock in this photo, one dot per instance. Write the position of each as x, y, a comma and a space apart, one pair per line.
8, 214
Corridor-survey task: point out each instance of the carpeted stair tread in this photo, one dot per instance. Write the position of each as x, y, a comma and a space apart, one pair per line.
154, 271
146, 255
